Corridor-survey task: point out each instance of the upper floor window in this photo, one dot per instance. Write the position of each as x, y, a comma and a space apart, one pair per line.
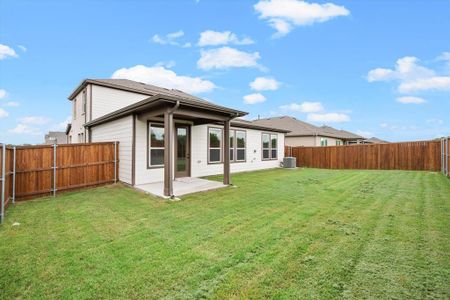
74, 108
156, 145
214, 145
269, 146
84, 101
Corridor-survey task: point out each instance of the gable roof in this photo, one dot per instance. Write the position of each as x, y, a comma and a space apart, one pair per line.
375, 140
301, 128
341, 133
154, 93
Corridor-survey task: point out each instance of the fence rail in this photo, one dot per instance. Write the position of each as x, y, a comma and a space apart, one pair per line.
31, 171
423, 155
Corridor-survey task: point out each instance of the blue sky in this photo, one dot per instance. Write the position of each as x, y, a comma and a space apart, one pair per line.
380, 68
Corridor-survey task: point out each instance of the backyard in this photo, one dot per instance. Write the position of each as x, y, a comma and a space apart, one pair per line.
304, 233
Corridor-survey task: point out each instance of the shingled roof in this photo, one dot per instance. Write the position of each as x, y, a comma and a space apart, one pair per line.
301, 128
154, 93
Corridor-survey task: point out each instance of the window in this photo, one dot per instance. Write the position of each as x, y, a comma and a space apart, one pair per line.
240, 145
269, 146
83, 107
74, 113
338, 143
232, 135
323, 142
155, 145
265, 146
274, 146
214, 145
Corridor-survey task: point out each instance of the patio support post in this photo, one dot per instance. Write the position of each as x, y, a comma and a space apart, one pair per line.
168, 150
226, 153
168, 184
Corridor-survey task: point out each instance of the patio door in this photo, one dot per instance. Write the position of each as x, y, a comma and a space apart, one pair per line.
182, 151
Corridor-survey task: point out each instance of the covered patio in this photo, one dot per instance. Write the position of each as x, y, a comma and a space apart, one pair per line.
181, 186
167, 108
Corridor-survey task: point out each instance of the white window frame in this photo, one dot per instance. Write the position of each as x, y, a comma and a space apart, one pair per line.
236, 148
323, 142
83, 102
150, 147
220, 148
271, 147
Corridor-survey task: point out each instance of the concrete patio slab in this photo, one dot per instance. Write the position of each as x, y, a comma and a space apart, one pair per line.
181, 186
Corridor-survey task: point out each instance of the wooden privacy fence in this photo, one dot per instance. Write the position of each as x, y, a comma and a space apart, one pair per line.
423, 155
31, 171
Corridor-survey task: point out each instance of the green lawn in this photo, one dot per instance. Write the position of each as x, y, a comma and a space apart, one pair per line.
280, 234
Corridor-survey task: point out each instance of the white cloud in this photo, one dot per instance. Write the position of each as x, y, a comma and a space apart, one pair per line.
62, 125
6, 51
23, 48
167, 64
3, 113
444, 56
328, 117
34, 120
12, 104
411, 100
283, 15
215, 38
25, 129
171, 39
3, 94
264, 84
435, 121
411, 75
423, 84
160, 76
254, 98
226, 57
304, 107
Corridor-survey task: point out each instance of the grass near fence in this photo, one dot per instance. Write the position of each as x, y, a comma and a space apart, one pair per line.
280, 234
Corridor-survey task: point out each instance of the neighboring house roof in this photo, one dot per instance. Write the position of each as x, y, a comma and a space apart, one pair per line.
374, 140
301, 128
241, 123
296, 127
340, 133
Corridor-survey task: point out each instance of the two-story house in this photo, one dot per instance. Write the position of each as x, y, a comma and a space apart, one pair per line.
165, 134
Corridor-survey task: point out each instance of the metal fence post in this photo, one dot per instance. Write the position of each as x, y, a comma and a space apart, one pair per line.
446, 156
54, 170
115, 162
3, 183
14, 176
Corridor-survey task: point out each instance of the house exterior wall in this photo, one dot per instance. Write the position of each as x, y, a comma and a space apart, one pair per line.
118, 130
108, 100
77, 133
199, 156
307, 141
199, 153
310, 141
